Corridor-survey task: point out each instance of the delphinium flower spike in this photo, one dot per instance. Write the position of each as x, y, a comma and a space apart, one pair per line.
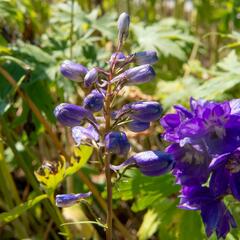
205, 143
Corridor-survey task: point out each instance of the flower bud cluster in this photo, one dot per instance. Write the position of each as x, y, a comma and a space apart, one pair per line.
99, 124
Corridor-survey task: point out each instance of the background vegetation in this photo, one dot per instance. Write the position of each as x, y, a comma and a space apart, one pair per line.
198, 47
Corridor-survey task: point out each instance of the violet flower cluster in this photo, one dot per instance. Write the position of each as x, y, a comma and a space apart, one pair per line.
206, 147
88, 121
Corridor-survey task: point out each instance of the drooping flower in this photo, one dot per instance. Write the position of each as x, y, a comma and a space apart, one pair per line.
150, 163
117, 142
84, 134
67, 200
138, 126
123, 26
136, 75
94, 101
146, 57
91, 77
71, 115
143, 111
215, 215
73, 71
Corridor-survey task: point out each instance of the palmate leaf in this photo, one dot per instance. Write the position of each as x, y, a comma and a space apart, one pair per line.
51, 174
225, 76
165, 38
20, 209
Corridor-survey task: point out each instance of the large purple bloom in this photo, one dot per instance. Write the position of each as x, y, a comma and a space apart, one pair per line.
216, 126
209, 129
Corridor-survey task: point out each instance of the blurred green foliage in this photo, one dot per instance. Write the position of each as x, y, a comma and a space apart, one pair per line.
198, 47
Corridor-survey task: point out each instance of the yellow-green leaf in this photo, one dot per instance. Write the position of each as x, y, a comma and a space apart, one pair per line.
51, 174
79, 158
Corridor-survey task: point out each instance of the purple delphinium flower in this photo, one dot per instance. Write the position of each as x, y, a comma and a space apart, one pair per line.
150, 163
93, 101
209, 127
67, 200
117, 142
91, 77
73, 71
214, 213
146, 57
71, 115
84, 134
138, 126
143, 111
136, 75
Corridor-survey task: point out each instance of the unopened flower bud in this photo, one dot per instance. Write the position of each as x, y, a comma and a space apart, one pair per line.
91, 77
117, 142
146, 57
143, 111
118, 57
138, 126
94, 101
71, 115
136, 75
73, 71
150, 163
123, 26
67, 200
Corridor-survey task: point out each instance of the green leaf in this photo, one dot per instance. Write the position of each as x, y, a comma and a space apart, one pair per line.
20, 209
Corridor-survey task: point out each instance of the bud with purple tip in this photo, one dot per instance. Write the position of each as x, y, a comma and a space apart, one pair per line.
146, 57
73, 71
123, 26
91, 77
118, 57
71, 115
150, 163
117, 142
136, 75
94, 101
143, 111
67, 200
138, 126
